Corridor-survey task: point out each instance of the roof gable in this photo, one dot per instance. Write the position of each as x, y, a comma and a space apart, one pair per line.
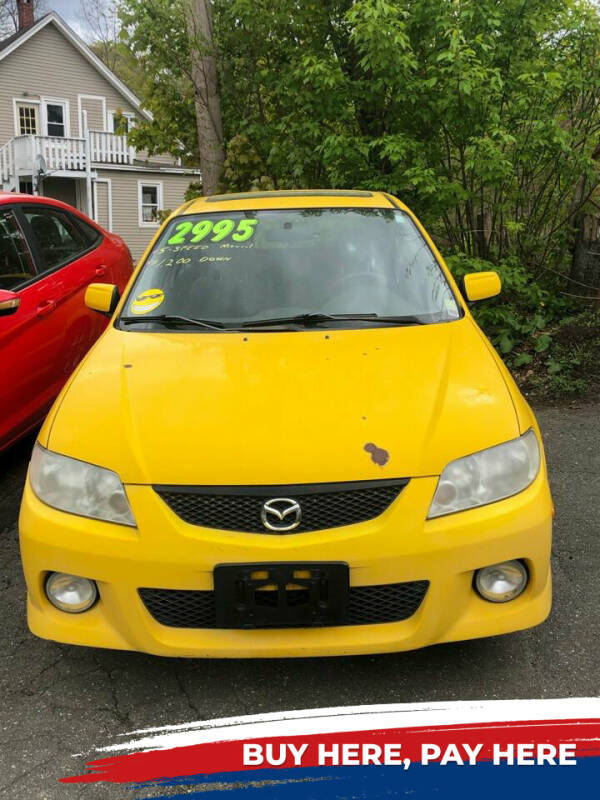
4, 43
7, 46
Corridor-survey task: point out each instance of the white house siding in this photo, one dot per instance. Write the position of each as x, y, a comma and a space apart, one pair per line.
48, 65
125, 219
94, 111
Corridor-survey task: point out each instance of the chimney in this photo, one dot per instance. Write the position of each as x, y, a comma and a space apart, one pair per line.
25, 12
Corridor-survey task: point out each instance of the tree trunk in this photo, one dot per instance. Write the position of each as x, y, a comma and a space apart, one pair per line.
585, 266
206, 92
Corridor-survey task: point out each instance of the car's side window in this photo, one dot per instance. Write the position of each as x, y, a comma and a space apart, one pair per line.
58, 237
90, 234
16, 264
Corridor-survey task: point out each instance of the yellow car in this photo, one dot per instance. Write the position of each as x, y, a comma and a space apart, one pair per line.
291, 440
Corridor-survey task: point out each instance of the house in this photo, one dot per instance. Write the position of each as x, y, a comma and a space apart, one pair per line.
62, 113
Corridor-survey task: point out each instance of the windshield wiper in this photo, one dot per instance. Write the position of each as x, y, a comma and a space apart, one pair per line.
316, 319
175, 319
299, 319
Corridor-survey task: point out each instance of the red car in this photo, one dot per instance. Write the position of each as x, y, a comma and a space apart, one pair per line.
49, 253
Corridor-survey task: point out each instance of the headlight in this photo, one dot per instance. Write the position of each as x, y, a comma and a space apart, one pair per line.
487, 476
78, 487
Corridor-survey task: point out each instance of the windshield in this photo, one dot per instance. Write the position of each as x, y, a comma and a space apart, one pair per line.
232, 269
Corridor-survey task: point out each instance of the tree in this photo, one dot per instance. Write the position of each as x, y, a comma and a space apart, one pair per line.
101, 20
206, 93
155, 31
9, 17
483, 116
102, 25
182, 88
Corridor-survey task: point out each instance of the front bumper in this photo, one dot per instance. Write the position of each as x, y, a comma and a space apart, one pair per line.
400, 545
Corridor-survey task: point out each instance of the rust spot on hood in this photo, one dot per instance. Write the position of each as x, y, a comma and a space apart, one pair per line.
379, 456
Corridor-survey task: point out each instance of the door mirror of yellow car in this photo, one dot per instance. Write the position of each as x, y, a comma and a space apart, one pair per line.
481, 285
102, 297
9, 302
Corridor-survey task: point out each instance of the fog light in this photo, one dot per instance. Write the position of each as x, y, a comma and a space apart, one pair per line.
501, 582
70, 593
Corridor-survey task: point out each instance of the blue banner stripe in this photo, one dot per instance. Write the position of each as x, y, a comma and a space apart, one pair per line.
433, 782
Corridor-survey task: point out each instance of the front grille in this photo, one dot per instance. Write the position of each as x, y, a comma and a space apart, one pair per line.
323, 505
369, 605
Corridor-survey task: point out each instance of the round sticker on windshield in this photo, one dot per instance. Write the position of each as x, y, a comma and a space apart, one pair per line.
147, 301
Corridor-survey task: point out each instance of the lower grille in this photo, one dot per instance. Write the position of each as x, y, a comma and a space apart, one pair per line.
390, 602
322, 505
369, 605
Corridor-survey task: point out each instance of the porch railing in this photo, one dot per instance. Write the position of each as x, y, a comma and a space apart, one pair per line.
19, 156
58, 152
109, 148
7, 162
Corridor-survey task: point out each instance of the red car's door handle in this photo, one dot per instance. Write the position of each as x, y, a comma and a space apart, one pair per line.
100, 271
47, 307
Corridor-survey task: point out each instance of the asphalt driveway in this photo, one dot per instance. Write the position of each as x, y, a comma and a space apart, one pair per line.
58, 700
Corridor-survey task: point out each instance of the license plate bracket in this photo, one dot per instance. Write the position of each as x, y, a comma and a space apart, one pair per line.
282, 594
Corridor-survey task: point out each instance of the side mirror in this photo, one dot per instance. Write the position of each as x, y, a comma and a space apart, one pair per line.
9, 302
102, 297
481, 285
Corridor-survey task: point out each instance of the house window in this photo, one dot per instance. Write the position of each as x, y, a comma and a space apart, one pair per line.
55, 119
25, 186
149, 203
28, 120
122, 123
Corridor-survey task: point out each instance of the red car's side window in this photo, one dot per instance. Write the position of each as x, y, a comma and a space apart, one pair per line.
16, 264
58, 238
91, 235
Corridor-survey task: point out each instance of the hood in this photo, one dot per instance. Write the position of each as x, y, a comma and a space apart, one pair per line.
281, 408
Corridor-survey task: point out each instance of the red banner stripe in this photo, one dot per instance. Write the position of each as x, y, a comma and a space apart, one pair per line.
227, 756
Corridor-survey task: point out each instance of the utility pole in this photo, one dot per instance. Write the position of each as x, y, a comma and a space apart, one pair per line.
206, 93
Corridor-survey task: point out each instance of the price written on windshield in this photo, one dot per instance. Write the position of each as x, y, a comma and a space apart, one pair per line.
189, 232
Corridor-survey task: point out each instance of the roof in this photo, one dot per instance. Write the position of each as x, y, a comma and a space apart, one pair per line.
301, 198
221, 198
11, 43
17, 35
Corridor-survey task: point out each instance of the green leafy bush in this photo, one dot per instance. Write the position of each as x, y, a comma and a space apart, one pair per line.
550, 344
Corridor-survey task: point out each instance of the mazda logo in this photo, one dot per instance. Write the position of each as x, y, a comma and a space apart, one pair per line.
281, 514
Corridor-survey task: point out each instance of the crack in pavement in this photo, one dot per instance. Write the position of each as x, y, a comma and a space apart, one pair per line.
121, 716
4, 788
181, 683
